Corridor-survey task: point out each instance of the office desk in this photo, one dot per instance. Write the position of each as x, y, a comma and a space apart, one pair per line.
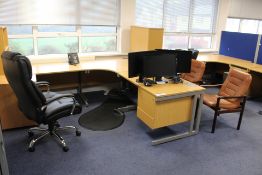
254, 69
215, 58
158, 106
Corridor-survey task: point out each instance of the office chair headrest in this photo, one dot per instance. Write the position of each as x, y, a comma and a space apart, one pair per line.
9, 54
15, 56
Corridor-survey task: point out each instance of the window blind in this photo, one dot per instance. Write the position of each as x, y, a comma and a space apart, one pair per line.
176, 15
66, 12
149, 13
203, 16
186, 16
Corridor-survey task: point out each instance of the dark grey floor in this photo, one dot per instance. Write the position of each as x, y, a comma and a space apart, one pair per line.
127, 150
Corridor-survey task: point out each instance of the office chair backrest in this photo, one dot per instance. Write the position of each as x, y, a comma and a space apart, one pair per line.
236, 84
18, 71
196, 73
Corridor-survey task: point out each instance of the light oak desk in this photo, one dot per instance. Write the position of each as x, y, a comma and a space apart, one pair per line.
216, 58
254, 69
158, 106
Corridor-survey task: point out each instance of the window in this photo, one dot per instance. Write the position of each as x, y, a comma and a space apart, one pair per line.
54, 28
58, 45
186, 22
19, 30
232, 25
61, 26
98, 44
249, 26
244, 25
22, 45
61, 39
200, 42
260, 27
97, 29
175, 41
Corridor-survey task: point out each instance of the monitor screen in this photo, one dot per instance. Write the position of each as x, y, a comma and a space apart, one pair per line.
159, 64
183, 59
135, 62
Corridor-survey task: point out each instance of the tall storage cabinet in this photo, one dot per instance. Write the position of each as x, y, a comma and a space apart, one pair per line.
3, 45
142, 39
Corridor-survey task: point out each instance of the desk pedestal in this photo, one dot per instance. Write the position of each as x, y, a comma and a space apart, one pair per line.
161, 112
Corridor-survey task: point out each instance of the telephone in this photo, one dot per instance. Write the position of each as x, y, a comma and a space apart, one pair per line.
73, 58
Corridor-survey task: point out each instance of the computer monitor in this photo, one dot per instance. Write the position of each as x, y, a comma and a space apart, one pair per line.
159, 64
135, 63
184, 58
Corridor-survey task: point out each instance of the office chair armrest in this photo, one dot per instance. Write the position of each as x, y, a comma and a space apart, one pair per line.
210, 85
59, 96
64, 96
231, 97
43, 83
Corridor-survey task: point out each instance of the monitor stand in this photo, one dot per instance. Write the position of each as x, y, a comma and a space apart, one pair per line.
140, 79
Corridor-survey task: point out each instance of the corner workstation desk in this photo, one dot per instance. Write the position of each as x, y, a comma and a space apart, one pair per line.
158, 106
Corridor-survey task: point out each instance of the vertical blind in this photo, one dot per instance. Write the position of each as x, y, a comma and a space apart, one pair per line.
69, 12
189, 16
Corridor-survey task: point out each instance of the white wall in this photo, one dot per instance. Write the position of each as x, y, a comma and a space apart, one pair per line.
246, 9
223, 11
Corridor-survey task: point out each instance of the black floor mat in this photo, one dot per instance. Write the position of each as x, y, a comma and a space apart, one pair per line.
104, 117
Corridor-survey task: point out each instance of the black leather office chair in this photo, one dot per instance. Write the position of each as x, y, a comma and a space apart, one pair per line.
43, 108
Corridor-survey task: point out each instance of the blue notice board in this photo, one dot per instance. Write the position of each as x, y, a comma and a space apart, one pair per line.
239, 45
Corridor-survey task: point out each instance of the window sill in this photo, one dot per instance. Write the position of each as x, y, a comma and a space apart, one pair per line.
61, 58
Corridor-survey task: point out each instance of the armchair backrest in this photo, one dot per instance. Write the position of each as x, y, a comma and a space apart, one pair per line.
236, 84
18, 71
196, 73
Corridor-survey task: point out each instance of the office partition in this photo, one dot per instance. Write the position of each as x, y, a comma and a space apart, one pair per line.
239, 45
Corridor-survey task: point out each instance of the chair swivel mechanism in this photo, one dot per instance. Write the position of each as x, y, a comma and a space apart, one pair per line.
43, 108
231, 97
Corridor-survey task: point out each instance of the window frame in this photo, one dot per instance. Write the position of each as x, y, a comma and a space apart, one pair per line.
36, 34
241, 23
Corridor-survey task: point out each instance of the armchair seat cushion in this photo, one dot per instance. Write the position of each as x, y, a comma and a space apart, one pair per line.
211, 100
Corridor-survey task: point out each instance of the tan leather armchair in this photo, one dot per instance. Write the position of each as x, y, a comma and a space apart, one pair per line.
231, 97
196, 73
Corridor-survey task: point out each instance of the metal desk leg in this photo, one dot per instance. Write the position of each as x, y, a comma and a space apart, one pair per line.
79, 90
192, 131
